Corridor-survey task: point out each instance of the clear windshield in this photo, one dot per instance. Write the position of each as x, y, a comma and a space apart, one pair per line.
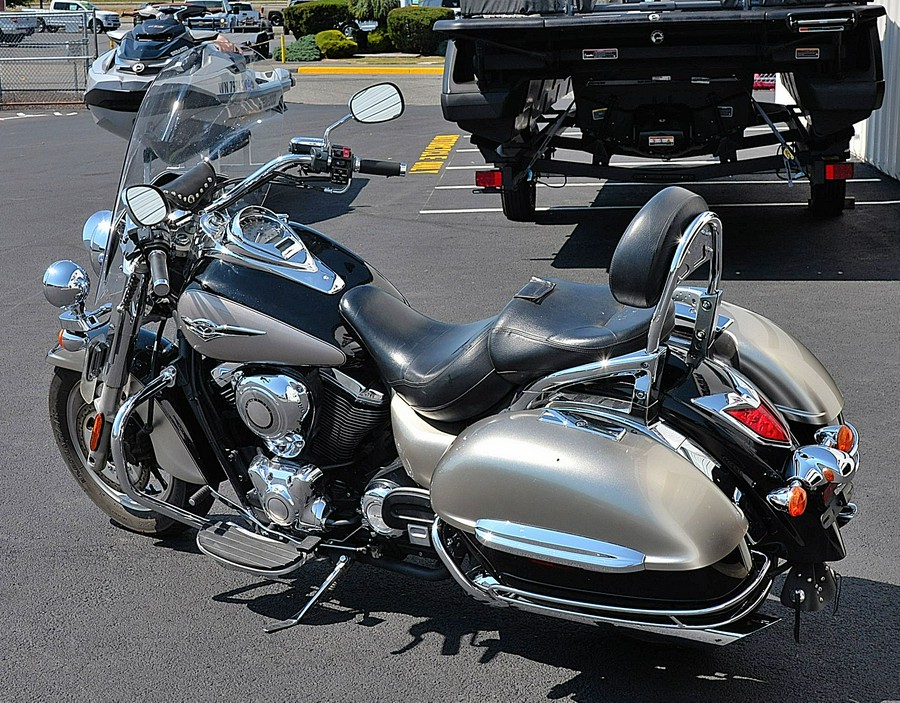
210, 103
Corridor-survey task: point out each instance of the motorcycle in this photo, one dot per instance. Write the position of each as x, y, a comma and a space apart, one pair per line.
118, 79
642, 454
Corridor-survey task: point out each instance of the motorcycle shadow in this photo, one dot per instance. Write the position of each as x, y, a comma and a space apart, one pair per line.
834, 660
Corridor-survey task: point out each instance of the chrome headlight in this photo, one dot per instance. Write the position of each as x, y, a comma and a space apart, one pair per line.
95, 236
66, 284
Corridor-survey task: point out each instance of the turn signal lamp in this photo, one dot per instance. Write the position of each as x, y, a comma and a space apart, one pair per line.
845, 438
796, 501
96, 431
488, 179
761, 421
829, 475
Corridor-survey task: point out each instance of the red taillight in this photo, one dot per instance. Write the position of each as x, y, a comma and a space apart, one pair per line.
488, 179
761, 421
838, 172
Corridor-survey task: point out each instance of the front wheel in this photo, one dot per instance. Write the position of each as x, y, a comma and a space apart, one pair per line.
72, 420
95, 27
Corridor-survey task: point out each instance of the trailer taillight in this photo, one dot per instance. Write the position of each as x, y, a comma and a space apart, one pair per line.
489, 179
838, 172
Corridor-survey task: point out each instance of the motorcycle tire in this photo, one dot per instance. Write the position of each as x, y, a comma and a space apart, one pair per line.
71, 419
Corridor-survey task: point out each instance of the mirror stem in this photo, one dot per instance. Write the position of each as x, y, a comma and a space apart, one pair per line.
327, 135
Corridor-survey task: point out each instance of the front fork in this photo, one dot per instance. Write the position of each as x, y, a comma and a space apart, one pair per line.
123, 328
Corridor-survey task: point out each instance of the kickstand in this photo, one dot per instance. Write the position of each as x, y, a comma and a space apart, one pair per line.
339, 570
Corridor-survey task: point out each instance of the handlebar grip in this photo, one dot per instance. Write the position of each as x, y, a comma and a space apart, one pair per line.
377, 167
159, 273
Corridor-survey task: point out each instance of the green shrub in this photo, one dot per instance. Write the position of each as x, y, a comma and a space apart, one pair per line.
314, 17
378, 42
373, 9
334, 45
304, 49
410, 28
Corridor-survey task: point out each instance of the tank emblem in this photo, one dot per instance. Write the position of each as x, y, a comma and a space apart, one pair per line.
207, 329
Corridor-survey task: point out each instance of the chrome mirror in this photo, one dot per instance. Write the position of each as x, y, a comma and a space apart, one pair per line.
95, 235
65, 284
146, 205
377, 103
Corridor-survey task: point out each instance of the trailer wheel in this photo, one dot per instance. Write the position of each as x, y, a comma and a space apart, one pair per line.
519, 199
827, 199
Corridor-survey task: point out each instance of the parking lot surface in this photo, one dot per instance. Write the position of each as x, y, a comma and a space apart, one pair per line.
94, 613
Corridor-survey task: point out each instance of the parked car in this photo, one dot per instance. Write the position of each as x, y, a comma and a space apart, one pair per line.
74, 16
15, 26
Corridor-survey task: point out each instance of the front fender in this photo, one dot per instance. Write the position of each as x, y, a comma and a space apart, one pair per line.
622, 488
169, 433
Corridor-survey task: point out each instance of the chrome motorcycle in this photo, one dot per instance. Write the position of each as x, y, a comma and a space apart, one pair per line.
642, 454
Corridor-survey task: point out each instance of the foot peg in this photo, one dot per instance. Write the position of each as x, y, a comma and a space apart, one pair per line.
339, 570
238, 548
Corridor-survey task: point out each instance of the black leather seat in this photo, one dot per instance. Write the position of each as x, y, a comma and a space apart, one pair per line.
442, 370
456, 372
453, 372
572, 324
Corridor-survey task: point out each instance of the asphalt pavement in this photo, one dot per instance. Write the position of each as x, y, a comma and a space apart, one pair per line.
94, 613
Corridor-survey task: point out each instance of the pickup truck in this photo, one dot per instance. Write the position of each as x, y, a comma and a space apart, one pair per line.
15, 26
661, 81
74, 16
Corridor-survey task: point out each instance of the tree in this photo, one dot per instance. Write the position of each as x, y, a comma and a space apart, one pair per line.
373, 10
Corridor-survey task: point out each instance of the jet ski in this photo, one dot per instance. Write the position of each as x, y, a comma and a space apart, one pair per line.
118, 79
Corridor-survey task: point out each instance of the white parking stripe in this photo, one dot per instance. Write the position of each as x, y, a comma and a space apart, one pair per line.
586, 208
599, 185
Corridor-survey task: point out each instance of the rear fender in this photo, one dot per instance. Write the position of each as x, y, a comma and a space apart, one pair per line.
787, 372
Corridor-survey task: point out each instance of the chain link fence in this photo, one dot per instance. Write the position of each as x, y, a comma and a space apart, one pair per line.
44, 58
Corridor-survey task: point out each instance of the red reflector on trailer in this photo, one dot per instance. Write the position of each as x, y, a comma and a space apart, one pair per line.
838, 172
488, 179
761, 421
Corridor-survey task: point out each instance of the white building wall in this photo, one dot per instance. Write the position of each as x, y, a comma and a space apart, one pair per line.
878, 138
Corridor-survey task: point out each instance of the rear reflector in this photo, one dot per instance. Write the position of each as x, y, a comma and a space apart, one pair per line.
488, 179
838, 172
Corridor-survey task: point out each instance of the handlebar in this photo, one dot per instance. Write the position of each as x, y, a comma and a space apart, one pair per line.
159, 273
377, 167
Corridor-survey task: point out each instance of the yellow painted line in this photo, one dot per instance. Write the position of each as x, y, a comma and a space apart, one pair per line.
435, 154
370, 70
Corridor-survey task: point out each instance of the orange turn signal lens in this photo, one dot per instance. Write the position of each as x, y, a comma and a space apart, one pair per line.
96, 431
797, 501
829, 475
845, 438
59, 337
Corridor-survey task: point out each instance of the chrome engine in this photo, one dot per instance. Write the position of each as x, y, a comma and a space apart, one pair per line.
287, 493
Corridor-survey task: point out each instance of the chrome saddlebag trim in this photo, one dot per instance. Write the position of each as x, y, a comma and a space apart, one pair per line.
558, 547
712, 624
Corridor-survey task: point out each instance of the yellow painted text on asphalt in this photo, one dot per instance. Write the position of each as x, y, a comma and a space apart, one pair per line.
435, 154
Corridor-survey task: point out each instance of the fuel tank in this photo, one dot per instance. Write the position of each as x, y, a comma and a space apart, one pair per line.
573, 491
248, 310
